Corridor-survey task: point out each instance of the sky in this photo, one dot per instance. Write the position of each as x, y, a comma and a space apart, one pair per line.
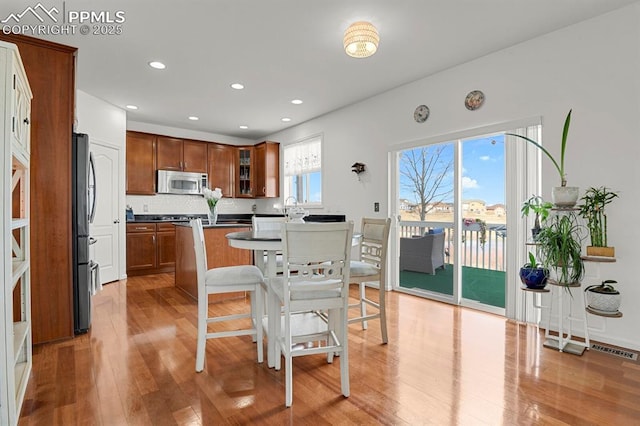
482, 169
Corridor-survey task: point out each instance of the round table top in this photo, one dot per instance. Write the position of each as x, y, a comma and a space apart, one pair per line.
255, 236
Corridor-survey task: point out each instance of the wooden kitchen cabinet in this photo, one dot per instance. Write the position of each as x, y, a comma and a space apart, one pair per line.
221, 160
50, 69
244, 172
181, 155
141, 163
166, 239
267, 169
150, 248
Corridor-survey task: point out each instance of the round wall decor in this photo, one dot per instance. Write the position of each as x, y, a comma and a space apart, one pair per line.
421, 113
474, 100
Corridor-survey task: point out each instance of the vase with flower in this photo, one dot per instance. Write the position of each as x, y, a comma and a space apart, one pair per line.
212, 197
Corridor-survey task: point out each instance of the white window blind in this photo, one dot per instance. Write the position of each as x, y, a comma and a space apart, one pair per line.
303, 157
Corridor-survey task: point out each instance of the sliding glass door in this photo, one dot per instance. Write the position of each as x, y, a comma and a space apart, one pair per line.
452, 221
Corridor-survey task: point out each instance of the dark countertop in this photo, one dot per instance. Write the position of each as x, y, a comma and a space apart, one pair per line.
224, 219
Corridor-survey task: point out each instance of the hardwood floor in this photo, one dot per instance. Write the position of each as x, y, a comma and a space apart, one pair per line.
443, 365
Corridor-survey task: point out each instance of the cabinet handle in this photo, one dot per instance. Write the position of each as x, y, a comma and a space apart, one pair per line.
26, 120
185, 165
141, 228
116, 221
154, 239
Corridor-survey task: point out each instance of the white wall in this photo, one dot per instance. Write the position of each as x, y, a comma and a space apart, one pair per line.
592, 67
106, 124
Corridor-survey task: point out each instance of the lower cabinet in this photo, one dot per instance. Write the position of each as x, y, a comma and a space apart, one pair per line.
150, 248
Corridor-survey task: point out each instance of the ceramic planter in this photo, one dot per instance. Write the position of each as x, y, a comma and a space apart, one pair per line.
534, 278
603, 298
565, 196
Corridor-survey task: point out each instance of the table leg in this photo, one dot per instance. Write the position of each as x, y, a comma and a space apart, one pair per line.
273, 318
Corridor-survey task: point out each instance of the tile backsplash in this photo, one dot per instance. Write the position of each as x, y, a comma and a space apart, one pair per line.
185, 204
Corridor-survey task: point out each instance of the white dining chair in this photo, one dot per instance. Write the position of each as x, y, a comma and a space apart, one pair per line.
225, 279
315, 279
371, 268
267, 223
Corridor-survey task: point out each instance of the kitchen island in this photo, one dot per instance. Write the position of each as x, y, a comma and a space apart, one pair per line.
219, 253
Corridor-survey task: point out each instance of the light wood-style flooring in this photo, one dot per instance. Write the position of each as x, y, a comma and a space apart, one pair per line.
443, 365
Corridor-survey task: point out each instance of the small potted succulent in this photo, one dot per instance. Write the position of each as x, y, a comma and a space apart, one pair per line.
533, 274
603, 297
593, 211
541, 209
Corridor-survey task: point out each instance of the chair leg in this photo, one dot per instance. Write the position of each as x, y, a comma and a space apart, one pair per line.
202, 333
258, 315
382, 303
363, 305
343, 335
253, 299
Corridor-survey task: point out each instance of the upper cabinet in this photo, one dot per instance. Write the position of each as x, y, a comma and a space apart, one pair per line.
221, 159
141, 163
267, 169
182, 155
239, 171
244, 175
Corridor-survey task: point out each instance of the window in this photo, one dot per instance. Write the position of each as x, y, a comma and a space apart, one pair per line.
303, 172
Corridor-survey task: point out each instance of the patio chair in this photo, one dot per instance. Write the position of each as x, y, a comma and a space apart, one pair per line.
422, 254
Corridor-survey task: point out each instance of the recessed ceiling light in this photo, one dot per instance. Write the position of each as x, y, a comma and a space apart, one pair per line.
194, 118
285, 119
237, 86
157, 65
296, 101
243, 126
132, 107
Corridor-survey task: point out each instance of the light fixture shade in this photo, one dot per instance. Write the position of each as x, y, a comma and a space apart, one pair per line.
361, 39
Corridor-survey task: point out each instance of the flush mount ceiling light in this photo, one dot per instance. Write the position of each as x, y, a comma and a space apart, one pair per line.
285, 119
243, 126
132, 107
157, 65
194, 118
296, 101
237, 86
361, 40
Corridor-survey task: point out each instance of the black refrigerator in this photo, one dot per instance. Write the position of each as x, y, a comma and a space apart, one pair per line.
85, 271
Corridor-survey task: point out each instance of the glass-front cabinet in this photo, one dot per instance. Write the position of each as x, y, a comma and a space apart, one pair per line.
245, 173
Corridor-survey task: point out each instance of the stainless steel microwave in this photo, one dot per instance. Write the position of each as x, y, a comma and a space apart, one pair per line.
170, 182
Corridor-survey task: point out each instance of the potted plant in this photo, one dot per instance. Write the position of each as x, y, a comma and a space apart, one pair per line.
563, 195
603, 297
541, 209
593, 210
533, 274
559, 245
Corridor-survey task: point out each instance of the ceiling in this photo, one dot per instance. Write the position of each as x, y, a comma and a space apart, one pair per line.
283, 50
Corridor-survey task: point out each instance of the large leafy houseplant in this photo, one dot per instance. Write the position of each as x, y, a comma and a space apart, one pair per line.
559, 243
592, 210
566, 196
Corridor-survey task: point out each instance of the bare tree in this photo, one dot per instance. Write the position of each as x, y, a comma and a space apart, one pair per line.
427, 171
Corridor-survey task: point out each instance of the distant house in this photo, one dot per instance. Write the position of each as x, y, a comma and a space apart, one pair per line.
498, 210
406, 205
474, 206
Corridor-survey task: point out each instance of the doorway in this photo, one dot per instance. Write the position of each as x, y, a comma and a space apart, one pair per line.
452, 225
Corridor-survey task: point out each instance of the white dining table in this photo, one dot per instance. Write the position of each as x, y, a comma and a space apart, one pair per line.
269, 242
